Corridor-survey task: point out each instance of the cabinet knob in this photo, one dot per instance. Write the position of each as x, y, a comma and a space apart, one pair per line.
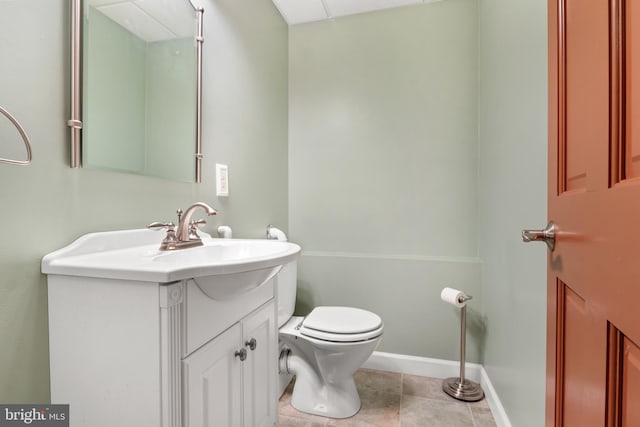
252, 344
241, 354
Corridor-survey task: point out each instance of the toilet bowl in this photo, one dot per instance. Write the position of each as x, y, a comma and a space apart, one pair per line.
323, 350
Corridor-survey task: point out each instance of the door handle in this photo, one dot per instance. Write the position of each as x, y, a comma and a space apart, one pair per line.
548, 235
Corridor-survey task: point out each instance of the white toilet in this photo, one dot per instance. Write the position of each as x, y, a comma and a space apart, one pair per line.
323, 350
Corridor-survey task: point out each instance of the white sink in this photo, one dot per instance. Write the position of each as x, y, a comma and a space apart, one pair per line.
222, 267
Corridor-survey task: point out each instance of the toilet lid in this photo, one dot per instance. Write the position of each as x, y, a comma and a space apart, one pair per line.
342, 324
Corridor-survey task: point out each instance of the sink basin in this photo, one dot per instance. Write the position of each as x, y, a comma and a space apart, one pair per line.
220, 251
222, 267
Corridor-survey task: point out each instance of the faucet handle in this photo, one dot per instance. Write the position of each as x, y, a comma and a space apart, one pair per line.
161, 225
193, 228
170, 240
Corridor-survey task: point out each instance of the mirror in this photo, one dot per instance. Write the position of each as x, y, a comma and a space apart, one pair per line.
140, 87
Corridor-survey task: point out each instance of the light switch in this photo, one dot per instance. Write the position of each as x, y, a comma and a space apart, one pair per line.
222, 180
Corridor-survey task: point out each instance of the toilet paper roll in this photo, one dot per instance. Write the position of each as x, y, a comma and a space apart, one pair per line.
453, 297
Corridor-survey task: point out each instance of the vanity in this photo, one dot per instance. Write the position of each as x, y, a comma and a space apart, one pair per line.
185, 338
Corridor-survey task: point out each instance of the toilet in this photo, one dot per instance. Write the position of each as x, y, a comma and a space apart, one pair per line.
323, 350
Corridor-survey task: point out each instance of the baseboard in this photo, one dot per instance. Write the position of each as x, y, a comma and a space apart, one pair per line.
499, 414
439, 368
423, 366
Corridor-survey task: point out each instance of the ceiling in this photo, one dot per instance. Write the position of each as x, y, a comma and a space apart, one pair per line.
299, 11
151, 20
154, 20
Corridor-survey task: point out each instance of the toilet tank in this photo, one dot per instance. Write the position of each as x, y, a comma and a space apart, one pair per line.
286, 285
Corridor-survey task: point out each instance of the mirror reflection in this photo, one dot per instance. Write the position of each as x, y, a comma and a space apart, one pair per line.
139, 87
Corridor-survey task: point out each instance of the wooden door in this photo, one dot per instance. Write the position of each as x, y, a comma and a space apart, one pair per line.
593, 316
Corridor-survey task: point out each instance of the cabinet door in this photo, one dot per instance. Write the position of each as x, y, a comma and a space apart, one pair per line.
213, 395
260, 367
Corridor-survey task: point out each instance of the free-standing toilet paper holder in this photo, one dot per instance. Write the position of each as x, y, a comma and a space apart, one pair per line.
462, 388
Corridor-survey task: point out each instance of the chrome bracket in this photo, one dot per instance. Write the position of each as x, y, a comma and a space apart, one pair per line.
74, 124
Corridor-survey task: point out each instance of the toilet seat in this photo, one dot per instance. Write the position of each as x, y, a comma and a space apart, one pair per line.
341, 324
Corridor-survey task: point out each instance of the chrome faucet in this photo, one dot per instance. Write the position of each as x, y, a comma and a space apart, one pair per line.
186, 236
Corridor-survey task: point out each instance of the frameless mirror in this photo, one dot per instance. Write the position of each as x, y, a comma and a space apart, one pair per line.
141, 62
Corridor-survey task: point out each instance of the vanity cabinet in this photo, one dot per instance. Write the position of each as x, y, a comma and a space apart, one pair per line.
144, 354
230, 380
140, 337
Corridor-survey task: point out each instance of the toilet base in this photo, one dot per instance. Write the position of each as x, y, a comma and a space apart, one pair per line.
332, 400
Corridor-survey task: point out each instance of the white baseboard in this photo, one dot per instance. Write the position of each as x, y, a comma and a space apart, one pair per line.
423, 366
499, 414
439, 368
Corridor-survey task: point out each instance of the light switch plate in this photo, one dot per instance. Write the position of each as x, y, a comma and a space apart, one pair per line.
222, 180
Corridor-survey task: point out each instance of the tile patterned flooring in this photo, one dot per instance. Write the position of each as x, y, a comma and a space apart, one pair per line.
396, 400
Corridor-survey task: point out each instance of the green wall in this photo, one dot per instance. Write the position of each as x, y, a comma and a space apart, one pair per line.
382, 177
47, 205
417, 154
512, 147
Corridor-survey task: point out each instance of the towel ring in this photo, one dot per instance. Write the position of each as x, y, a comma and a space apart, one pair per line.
24, 136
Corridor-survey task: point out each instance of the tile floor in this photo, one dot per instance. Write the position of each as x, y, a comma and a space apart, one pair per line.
396, 400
